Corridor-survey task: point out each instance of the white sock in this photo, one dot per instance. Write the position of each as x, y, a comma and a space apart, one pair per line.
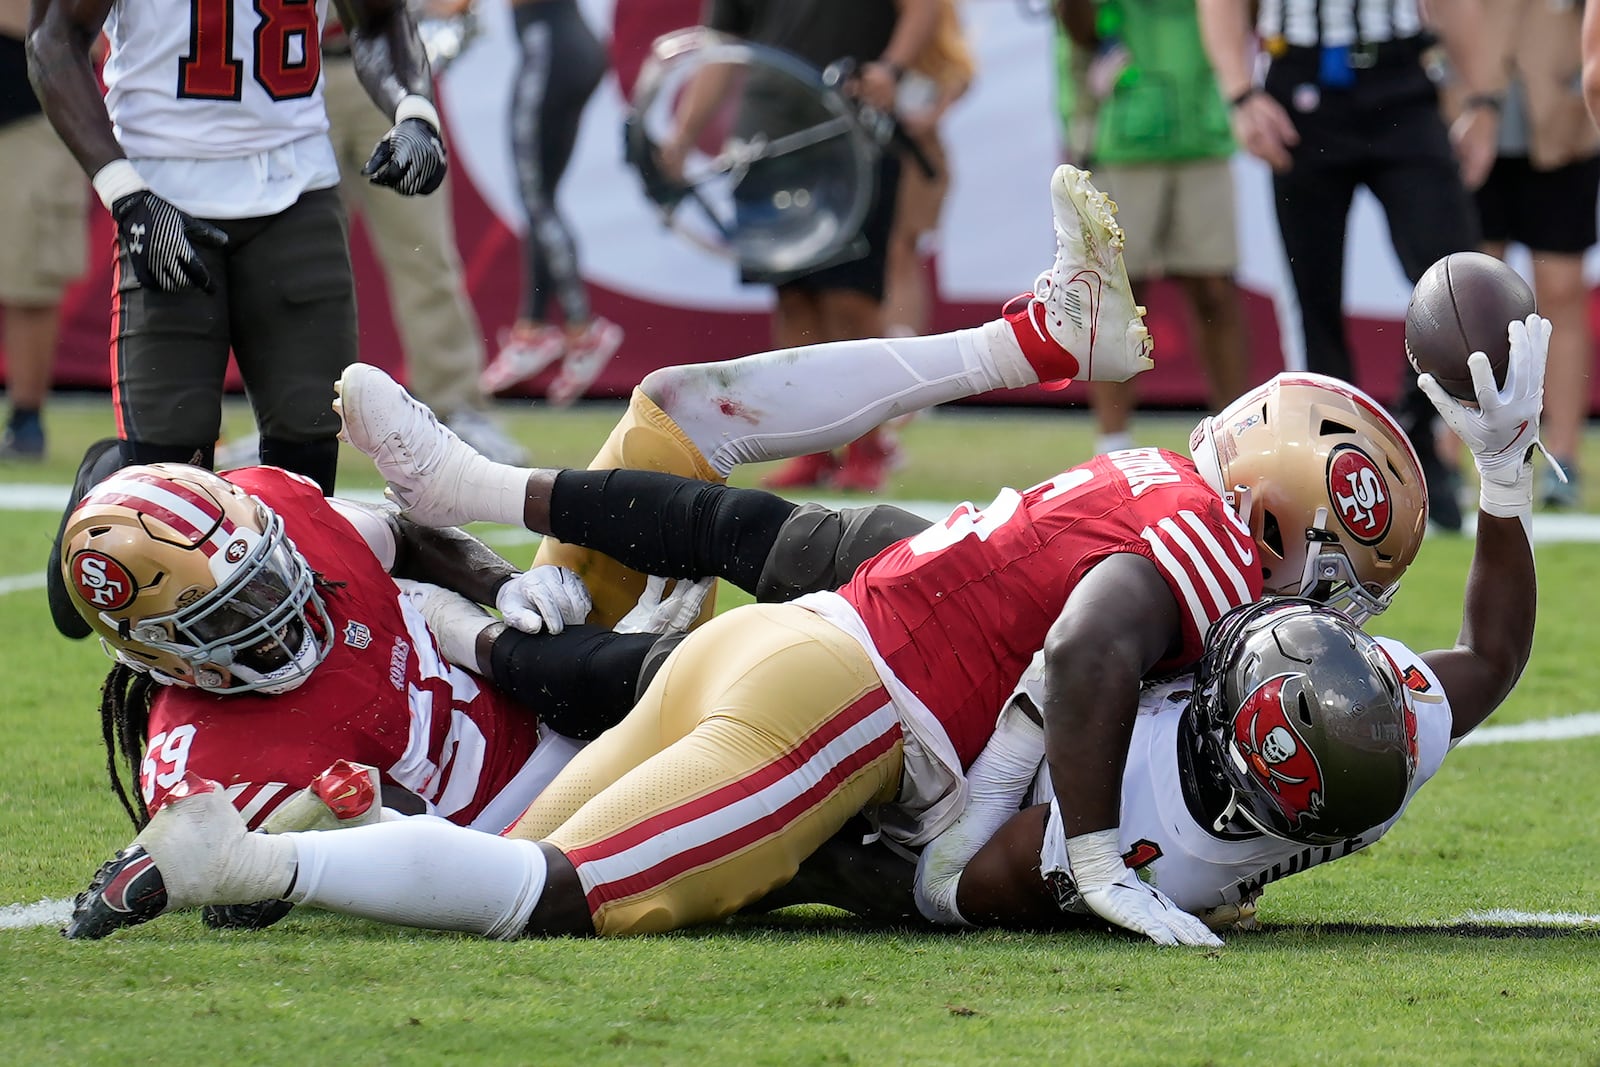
495, 492
797, 401
422, 871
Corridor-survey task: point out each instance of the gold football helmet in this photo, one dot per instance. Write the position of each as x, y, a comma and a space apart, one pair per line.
1327, 482
186, 576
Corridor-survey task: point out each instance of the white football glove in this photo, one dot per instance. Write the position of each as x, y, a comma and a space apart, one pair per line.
1144, 909
655, 614
1503, 429
544, 598
1116, 894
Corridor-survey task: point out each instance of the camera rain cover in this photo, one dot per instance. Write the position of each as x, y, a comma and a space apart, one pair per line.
780, 174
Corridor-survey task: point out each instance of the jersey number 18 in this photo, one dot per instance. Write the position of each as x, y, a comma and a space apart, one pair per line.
287, 51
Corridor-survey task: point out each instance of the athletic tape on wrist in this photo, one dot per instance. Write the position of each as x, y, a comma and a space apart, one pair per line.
1096, 860
1505, 500
417, 107
116, 180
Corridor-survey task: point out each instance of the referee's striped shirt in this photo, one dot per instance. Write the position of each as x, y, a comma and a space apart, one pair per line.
1335, 23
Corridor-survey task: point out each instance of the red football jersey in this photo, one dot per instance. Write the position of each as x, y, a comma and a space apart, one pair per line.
958, 611
384, 695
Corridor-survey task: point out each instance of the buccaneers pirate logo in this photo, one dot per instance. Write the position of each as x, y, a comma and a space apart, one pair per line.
1276, 755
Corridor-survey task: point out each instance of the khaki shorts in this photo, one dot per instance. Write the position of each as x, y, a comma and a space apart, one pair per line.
1178, 218
43, 214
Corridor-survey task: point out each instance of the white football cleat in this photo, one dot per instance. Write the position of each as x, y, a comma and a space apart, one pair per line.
427, 467
1080, 321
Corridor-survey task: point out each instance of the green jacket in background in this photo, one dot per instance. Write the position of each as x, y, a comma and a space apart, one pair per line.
1165, 107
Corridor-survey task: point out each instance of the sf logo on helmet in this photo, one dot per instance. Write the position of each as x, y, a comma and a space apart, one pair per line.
1359, 495
102, 582
1275, 753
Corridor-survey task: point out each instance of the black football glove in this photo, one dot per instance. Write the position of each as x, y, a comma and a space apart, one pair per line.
161, 242
409, 159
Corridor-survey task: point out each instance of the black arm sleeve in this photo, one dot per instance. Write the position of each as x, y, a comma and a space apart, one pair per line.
669, 526
581, 682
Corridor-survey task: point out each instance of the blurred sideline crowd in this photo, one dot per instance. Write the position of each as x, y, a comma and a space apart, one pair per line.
1466, 119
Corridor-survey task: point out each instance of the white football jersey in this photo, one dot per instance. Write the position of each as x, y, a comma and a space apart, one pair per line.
214, 79
1194, 867
218, 103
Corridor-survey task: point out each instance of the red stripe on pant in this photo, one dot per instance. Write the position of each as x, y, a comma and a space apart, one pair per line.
673, 864
119, 313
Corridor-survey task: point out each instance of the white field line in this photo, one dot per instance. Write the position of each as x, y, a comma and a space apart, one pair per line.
1507, 917
16, 583
1585, 724
1547, 529
43, 913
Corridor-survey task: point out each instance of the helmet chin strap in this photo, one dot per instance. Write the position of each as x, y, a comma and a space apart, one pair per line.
1233, 809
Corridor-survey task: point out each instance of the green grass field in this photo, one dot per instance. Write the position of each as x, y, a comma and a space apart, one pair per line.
1388, 957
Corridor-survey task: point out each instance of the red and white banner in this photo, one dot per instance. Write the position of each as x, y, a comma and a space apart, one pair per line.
680, 304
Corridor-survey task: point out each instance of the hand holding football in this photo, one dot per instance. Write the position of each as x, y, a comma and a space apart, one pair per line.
1464, 304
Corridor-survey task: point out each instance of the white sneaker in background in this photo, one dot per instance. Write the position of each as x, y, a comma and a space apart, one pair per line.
586, 357
523, 353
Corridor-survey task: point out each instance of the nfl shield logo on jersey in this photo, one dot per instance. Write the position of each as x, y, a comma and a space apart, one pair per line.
356, 634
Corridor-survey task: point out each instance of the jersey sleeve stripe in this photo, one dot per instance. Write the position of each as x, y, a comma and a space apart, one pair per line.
1179, 578
1225, 562
259, 806
1201, 563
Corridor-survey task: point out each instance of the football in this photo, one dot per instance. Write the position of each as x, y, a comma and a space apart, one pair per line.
1463, 305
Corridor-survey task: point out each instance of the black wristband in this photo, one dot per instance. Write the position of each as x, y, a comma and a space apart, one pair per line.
1492, 101
1235, 102
896, 71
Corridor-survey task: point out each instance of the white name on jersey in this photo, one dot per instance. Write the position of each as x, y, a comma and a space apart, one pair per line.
1143, 467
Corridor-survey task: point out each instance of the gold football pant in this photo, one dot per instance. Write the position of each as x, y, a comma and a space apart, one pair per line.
644, 439
766, 730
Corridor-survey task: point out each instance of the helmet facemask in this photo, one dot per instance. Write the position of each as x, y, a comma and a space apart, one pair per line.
1303, 720
219, 597
1327, 484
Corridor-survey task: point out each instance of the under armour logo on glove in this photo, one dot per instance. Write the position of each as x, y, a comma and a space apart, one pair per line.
160, 242
410, 159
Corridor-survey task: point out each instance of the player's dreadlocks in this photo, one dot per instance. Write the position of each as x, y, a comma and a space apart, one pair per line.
124, 715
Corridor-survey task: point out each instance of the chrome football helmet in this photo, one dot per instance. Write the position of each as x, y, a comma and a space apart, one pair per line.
1302, 720
185, 575
1327, 482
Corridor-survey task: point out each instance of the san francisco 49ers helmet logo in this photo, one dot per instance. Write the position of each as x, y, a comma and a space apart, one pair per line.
102, 582
1276, 754
1360, 497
